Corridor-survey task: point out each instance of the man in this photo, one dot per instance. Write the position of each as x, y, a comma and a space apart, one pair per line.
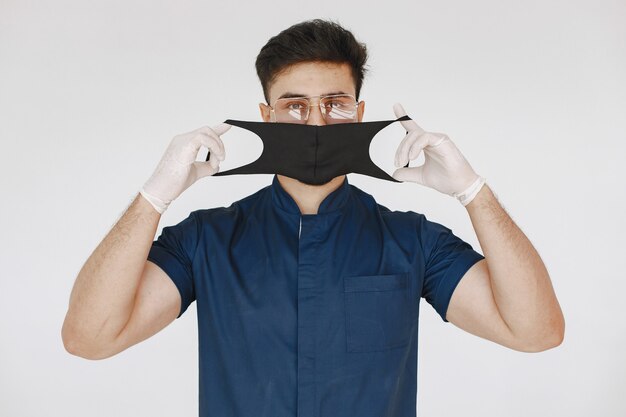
308, 295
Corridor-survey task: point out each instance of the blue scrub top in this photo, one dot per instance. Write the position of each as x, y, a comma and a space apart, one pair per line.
310, 315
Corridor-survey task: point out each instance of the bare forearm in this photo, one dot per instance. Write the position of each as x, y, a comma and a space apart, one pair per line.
102, 298
520, 282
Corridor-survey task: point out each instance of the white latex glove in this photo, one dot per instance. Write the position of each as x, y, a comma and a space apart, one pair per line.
444, 169
178, 168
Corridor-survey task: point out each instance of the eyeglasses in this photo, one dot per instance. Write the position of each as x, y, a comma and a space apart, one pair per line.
335, 108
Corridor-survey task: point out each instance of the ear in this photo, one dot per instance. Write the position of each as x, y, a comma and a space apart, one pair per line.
265, 112
360, 110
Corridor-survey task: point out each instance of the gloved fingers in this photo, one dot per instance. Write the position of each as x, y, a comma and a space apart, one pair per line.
218, 129
184, 148
413, 174
439, 139
409, 125
213, 133
214, 160
417, 146
213, 143
425, 140
411, 148
221, 128
404, 147
204, 169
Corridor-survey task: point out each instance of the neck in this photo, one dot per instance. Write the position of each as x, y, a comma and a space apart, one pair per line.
309, 197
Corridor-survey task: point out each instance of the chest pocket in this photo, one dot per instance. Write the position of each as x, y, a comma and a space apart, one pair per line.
378, 315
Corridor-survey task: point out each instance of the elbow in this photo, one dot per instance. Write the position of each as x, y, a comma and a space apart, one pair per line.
76, 346
69, 340
545, 344
550, 338
73, 346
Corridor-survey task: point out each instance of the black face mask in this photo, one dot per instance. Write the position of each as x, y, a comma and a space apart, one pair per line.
313, 154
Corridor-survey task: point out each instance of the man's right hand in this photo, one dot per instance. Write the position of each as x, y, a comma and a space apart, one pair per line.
178, 168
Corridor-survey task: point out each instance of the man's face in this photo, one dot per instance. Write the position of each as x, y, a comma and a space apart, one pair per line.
307, 79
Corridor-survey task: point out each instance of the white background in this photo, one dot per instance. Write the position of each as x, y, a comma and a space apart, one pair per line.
533, 93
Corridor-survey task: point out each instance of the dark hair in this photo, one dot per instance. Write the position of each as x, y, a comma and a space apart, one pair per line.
311, 40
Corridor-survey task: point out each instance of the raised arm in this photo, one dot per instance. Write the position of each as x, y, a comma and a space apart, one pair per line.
508, 296
103, 296
119, 298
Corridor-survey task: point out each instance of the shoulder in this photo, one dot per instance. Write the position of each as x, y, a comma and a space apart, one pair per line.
233, 213
398, 217
407, 224
404, 226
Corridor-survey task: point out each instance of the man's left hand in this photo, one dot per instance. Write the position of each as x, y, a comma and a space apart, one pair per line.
444, 169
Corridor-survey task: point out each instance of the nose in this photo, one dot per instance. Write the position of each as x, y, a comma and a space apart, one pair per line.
315, 115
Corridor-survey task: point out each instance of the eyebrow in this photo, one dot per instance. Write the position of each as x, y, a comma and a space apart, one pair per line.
292, 95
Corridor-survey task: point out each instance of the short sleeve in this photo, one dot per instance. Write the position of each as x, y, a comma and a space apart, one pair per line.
447, 258
173, 252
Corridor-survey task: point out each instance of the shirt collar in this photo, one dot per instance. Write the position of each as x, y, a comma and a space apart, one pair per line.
332, 202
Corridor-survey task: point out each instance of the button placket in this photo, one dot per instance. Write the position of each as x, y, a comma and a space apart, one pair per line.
308, 308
